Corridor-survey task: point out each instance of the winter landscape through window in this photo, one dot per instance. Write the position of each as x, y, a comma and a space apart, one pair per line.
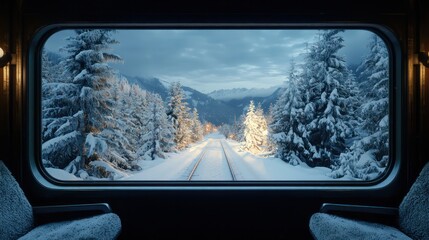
215, 105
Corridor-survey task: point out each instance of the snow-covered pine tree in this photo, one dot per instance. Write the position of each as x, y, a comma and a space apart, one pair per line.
60, 121
369, 155
287, 128
271, 146
179, 117
87, 65
328, 98
255, 131
158, 136
250, 143
130, 101
174, 99
138, 112
263, 127
376, 85
123, 130
165, 134
238, 128
50, 71
196, 127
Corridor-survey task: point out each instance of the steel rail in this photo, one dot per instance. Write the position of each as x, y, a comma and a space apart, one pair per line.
234, 178
196, 164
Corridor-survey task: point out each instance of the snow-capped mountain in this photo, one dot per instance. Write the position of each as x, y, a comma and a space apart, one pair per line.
240, 93
227, 105
150, 84
265, 102
209, 109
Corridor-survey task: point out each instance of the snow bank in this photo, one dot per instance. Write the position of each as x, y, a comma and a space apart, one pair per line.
117, 174
259, 168
176, 166
62, 175
247, 167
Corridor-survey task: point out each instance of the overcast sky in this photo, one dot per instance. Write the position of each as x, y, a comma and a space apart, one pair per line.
208, 60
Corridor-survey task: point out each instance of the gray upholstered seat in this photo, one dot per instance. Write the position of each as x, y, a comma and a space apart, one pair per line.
412, 219
327, 226
101, 227
17, 221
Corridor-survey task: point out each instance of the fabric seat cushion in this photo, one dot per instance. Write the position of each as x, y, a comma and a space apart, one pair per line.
414, 208
105, 226
16, 217
330, 227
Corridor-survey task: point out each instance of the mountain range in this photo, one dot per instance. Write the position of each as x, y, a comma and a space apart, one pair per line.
217, 107
240, 93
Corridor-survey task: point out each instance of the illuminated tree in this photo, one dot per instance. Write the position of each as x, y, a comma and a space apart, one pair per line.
196, 127
255, 130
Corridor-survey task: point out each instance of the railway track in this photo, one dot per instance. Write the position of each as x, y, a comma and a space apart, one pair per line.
203, 157
197, 164
234, 178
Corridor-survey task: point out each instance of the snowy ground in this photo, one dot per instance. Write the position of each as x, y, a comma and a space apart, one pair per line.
213, 166
246, 166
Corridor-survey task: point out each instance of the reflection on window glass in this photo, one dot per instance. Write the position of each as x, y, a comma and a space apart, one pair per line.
224, 105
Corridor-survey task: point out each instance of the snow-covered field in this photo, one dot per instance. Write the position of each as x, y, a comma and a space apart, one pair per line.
246, 166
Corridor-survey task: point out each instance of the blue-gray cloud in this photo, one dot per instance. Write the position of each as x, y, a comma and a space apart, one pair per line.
214, 59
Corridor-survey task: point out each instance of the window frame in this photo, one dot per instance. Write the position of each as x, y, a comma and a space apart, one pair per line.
396, 118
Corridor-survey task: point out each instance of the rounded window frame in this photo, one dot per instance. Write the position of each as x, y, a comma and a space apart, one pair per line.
396, 106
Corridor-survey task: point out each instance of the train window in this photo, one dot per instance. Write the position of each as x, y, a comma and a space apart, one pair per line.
231, 104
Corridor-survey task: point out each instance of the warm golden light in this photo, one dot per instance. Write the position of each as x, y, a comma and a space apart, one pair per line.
4, 58
424, 58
